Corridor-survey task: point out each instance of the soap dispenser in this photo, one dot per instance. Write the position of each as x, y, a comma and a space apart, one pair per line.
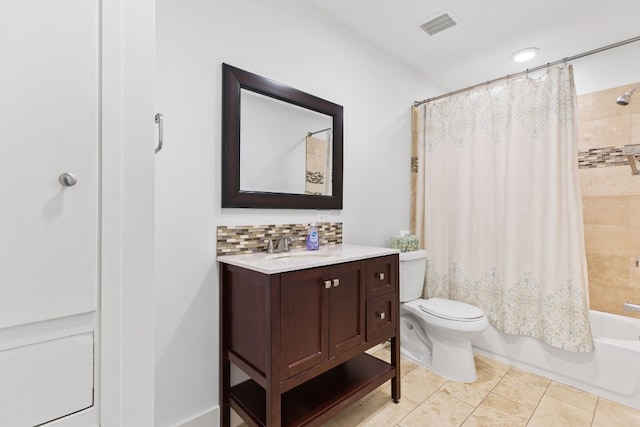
313, 242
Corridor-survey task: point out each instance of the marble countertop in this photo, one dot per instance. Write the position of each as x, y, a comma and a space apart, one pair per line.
301, 259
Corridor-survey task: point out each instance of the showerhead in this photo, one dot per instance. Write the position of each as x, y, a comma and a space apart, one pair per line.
624, 99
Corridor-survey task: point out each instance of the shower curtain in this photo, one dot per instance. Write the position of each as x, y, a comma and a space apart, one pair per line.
499, 209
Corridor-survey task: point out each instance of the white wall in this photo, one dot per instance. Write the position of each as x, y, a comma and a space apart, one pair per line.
288, 42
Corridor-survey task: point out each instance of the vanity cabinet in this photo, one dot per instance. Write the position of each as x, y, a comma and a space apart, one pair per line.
301, 337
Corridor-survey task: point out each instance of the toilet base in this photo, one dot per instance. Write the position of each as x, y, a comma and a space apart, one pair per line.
461, 367
414, 343
454, 360
434, 349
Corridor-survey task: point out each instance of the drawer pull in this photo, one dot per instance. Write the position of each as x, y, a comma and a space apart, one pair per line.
380, 316
336, 283
327, 284
380, 276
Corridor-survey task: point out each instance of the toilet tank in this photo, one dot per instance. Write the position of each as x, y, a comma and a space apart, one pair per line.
413, 266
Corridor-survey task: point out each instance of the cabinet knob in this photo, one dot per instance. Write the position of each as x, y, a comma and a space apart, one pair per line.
327, 284
67, 179
380, 276
336, 283
380, 316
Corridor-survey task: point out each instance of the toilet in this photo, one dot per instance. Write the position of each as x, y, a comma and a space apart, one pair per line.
436, 333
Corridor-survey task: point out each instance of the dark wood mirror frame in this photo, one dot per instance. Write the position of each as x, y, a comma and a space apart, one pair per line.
235, 79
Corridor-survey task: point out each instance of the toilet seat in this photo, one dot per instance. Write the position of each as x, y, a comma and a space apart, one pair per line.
451, 310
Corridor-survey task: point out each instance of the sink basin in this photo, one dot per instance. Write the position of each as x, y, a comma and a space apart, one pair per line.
299, 254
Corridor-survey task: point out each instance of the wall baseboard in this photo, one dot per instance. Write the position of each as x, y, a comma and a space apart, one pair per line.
207, 418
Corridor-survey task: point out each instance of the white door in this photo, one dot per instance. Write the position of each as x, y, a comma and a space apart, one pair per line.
49, 232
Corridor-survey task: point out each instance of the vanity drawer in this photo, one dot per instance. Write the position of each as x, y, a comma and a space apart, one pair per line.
381, 314
381, 277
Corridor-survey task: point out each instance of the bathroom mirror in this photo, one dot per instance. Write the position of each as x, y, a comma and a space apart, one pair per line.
281, 147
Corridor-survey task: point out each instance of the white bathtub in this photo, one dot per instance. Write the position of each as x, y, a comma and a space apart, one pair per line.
611, 371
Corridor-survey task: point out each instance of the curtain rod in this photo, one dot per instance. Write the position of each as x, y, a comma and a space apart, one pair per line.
318, 131
529, 70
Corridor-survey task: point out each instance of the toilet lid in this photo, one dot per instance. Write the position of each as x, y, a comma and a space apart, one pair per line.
453, 310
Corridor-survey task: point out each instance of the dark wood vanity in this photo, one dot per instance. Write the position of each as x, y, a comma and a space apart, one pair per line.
301, 334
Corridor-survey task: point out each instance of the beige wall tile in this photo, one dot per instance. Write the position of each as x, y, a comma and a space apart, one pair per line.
609, 181
611, 244
606, 210
597, 105
634, 210
606, 132
612, 239
611, 298
634, 272
635, 129
606, 270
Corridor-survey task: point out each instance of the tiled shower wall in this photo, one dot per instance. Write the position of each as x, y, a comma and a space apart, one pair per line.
610, 198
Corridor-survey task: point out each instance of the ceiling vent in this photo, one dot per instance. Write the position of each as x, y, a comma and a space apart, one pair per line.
437, 24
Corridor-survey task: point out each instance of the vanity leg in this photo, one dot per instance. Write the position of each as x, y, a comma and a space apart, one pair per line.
225, 383
274, 418
224, 363
395, 361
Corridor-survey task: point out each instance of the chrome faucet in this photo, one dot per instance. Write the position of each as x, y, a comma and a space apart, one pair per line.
627, 306
282, 244
269, 243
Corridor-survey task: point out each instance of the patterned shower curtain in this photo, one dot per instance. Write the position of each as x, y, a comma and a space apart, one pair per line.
499, 208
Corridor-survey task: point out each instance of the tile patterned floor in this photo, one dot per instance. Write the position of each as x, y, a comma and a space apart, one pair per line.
502, 396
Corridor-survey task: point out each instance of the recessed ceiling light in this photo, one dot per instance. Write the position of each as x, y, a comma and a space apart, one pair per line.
525, 54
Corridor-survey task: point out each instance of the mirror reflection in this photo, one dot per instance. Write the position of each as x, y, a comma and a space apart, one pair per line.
284, 148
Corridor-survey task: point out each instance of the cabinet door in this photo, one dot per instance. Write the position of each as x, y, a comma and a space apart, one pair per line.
346, 307
303, 320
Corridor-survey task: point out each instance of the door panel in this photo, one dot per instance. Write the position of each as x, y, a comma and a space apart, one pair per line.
48, 125
346, 307
54, 377
49, 233
303, 319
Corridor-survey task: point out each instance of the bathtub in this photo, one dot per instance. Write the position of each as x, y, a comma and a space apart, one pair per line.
611, 371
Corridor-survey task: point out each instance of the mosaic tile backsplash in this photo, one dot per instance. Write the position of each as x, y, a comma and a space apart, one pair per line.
601, 157
587, 158
247, 239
